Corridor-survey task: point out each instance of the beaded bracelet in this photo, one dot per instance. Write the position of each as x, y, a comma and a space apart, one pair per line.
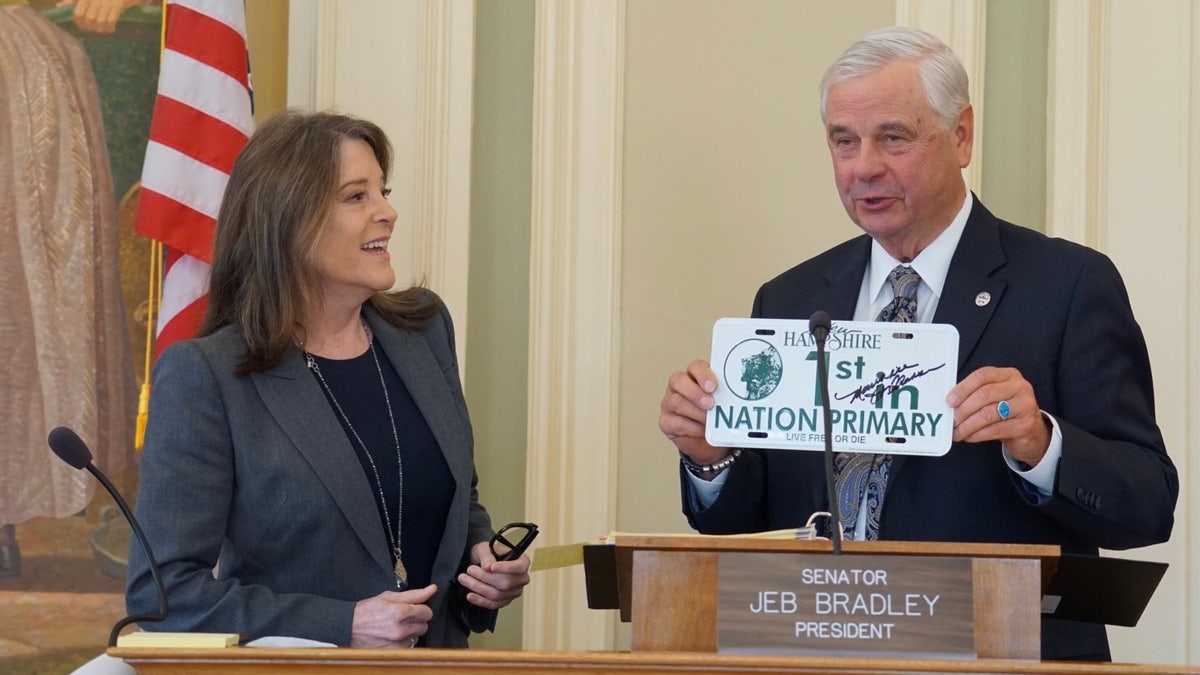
702, 470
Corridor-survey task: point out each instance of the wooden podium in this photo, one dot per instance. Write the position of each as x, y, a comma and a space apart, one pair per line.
667, 586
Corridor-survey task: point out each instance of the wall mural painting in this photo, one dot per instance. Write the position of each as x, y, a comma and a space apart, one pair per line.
76, 92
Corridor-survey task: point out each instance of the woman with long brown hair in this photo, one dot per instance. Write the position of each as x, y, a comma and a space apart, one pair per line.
308, 467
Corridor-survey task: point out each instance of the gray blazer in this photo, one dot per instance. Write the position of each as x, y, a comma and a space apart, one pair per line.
254, 476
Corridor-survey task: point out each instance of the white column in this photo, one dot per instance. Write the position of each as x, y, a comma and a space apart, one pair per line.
574, 287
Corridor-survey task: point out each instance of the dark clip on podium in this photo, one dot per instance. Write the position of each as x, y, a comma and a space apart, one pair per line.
1112, 591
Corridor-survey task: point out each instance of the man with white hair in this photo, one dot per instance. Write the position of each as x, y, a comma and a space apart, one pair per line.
1055, 439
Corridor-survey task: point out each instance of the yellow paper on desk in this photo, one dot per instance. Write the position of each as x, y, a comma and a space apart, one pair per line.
554, 557
180, 640
566, 555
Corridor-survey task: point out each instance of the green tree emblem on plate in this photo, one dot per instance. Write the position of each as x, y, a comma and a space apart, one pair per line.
753, 369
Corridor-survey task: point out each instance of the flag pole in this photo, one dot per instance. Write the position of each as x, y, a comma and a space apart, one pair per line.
154, 301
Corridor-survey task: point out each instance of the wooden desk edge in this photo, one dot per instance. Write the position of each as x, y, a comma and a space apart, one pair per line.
930, 548
583, 662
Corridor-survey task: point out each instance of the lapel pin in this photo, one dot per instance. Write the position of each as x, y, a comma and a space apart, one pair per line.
983, 299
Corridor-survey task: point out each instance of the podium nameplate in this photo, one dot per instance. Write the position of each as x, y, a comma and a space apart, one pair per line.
861, 604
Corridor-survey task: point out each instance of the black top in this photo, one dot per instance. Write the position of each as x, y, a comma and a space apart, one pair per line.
428, 485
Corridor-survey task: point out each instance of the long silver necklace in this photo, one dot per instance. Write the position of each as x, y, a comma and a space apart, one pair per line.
393, 535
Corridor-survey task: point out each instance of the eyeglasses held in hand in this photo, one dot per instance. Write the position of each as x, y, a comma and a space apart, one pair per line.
524, 533
502, 547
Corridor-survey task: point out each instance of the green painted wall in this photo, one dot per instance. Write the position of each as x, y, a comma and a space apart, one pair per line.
498, 287
1014, 123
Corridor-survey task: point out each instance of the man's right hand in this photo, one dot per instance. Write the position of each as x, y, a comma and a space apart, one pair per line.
681, 416
392, 618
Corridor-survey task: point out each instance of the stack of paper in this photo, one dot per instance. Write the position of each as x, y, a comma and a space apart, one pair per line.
182, 640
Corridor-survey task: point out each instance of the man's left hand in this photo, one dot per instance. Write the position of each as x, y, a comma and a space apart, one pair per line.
977, 413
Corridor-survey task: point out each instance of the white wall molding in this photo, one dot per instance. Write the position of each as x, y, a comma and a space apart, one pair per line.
962, 25
442, 192
312, 27
1116, 71
1190, 476
574, 289
1077, 120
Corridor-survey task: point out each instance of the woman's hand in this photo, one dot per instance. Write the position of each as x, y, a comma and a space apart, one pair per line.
492, 583
392, 618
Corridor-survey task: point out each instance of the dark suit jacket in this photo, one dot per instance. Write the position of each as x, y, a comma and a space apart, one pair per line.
256, 472
1060, 314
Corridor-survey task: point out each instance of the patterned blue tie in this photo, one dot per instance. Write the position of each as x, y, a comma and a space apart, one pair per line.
856, 473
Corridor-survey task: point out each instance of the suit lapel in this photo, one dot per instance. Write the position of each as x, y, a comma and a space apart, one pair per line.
301, 410
844, 281
963, 304
976, 257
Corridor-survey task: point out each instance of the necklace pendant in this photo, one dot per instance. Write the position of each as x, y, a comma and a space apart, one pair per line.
401, 573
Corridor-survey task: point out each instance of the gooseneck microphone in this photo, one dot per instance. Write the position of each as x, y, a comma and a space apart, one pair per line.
71, 449
819, 325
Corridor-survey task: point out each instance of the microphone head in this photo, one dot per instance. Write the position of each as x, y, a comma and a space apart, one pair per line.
819, 324
69, 447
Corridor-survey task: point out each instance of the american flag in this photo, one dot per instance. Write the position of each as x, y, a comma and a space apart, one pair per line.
202, 118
